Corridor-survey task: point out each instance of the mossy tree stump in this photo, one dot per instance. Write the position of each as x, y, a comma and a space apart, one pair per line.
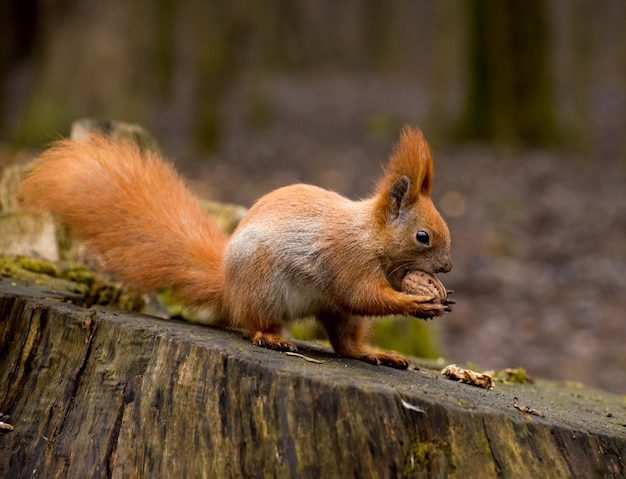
108, 393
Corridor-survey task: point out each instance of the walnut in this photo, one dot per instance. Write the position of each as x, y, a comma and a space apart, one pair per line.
420, 283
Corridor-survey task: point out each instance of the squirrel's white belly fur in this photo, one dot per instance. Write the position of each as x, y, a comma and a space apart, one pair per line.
287, 282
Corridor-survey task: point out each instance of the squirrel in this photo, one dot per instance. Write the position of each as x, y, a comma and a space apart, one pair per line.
299, 251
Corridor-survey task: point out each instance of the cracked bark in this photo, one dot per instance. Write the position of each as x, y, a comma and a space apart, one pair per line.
108, 393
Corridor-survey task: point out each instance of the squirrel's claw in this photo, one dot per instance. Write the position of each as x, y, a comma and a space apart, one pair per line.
431, 310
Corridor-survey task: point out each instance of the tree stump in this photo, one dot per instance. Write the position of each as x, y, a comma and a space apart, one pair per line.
103, 392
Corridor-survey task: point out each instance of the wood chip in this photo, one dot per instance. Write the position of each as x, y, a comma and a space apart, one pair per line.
5, 427
529, 410
306, 358
412, 407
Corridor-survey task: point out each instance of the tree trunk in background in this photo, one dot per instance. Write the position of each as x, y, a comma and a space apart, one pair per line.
172, 65
509, 85
90, 59
19, 31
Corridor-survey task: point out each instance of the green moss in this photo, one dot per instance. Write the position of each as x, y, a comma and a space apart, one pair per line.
84, 286
409, 336
38, 266
78, 273
308, 329
51, 443
40, 272
406, 335
7, 268
426, 456
513, 376
176, 309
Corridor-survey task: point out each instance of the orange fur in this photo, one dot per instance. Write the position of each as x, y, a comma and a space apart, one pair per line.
299, 251
411, 158
134, 212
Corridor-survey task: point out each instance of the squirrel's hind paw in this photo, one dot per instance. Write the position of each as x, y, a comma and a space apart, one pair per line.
272, 341
389, 358
392, 359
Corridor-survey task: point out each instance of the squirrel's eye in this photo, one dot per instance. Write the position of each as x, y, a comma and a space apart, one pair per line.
422, 237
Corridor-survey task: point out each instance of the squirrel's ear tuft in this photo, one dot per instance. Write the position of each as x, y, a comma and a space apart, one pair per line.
412, 157
408, 176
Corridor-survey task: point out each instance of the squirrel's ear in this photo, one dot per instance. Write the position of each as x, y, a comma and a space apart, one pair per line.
412, 157
408, 176
399, 195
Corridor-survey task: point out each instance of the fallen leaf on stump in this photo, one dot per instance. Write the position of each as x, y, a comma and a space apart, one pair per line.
468, 376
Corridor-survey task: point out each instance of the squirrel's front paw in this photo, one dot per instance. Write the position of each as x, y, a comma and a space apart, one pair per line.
431, 309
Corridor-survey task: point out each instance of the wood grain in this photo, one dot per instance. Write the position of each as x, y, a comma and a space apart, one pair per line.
109, 393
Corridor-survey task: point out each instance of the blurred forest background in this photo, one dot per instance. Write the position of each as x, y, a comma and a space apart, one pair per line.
524, 103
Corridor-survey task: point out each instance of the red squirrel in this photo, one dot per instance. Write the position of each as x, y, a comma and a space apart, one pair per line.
299, 251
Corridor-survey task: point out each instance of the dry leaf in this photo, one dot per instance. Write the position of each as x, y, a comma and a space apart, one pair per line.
468, 376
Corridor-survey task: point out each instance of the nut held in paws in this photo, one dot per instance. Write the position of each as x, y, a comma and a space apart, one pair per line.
424, 284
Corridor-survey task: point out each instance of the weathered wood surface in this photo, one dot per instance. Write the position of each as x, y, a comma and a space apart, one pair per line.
109, 393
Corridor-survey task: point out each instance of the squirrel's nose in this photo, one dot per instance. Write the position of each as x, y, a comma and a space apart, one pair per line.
447, 266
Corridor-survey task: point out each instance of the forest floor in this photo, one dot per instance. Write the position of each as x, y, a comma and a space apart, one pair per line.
538, 236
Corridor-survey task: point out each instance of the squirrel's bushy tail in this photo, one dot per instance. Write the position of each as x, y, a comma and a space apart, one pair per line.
134, 212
